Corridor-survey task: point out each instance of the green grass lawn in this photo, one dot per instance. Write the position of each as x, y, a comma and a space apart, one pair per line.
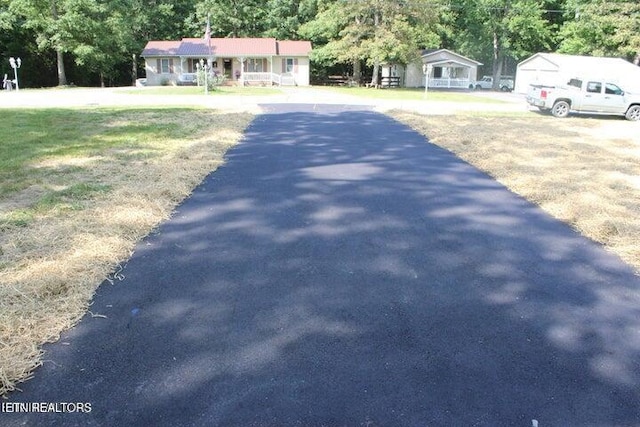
40, 134
195, 90
78, 188
411, 94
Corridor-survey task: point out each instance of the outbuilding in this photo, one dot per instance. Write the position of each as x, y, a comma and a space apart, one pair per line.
447, 70
556, 69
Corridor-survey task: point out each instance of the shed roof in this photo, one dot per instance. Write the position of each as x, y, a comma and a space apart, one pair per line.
613, 69
579, 63
439, 55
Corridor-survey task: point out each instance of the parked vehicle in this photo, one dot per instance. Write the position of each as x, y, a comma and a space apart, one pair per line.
588, 96
506, 83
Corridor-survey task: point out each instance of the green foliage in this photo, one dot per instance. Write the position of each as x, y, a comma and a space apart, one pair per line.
101, 36
210, 80
602, 28
374, 31
496, 30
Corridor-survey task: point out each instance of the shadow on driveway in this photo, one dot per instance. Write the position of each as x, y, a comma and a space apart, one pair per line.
339, 270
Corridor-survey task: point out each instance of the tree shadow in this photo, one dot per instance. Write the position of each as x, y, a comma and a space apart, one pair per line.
339, 270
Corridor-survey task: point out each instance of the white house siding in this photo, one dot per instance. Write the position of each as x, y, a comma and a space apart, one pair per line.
156, 78
557, 69
301, 64
451, 64
414, 76
302, 77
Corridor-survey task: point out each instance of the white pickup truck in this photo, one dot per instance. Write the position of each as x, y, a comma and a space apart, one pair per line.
585, 96
506, 83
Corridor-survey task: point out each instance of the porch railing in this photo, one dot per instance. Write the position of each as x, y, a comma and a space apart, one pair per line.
449, 83
257, 77
269, 78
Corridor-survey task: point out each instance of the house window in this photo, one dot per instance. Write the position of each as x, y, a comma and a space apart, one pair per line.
164, 66
289, 65
255, 65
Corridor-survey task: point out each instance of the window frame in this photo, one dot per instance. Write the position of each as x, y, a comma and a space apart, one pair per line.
162, 66
289, 69
595, 84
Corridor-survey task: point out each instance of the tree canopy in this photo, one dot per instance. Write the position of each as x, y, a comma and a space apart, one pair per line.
92, 42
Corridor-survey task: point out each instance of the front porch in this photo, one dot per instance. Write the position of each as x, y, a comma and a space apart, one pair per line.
243, 71
450, 83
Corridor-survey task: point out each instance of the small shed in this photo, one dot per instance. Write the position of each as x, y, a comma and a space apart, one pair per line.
554, 68
448, 70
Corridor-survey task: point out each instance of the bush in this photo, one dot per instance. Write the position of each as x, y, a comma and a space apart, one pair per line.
213, 79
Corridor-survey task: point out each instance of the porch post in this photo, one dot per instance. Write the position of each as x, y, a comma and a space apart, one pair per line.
271, 70
241, 59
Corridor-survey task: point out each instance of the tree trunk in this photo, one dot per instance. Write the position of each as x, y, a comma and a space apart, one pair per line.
134, 70
101, 79
497, 61
357, 71
376, 65
374, 78
636, 60
62, 75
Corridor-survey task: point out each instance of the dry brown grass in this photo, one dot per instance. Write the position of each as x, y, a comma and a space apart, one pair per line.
584, 171
51, 265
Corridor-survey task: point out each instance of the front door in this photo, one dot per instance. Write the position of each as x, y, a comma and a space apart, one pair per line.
228, 68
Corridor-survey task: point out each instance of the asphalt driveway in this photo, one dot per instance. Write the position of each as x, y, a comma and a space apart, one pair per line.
340, 270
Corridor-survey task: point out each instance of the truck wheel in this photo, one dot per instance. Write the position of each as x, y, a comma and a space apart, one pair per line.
478, 87
633, 113
560, 109
504, 88
471, 86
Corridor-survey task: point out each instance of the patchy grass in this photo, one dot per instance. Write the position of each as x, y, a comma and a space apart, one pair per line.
583, 171
195, 90
78, 189
411, 94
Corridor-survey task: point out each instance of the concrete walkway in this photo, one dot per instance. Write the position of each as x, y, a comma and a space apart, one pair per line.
340, 271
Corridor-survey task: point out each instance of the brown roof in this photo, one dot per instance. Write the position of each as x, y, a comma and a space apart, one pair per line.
161, 48
294, 48
227, 47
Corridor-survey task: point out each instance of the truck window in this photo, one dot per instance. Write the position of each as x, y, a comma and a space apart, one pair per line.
594, 87
612, 89
575, 82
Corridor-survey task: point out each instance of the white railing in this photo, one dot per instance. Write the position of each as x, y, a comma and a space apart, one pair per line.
257, 77
188, 78
287, 80
449, 83
279, 79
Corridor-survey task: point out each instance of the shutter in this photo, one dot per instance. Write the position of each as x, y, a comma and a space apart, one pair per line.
170, 66
158, 66
264, 65
284, 65
295, 65
190, 65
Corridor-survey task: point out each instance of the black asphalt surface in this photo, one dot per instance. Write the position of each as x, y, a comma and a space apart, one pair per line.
339, 270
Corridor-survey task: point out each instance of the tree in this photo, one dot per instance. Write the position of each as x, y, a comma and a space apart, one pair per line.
373, 31
501, 29
229, 18
284, 17
602, 28
56, 24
